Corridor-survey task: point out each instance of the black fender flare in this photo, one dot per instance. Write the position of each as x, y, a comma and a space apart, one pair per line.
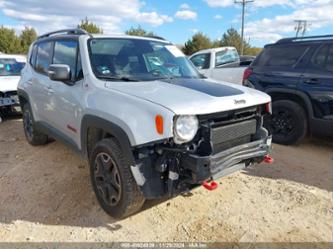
23, 94
298, 93
91, 121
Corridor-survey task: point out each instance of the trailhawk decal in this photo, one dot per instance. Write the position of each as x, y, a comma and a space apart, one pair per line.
203, 86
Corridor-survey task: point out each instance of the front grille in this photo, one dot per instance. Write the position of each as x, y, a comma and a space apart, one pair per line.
222, 131
224, 118
233, 131
232, 135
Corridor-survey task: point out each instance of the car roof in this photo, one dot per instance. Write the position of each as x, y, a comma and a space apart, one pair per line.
212, 50
124, 36
77, 32
20, 58
303, 40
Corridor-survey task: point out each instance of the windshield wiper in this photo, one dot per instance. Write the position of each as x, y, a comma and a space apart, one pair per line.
115, 78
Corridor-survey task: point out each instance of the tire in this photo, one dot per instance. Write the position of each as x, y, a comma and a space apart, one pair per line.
33, 136
288, 123
112, 180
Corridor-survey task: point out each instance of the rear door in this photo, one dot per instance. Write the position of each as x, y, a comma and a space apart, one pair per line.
279, 66
40, 82
317, 81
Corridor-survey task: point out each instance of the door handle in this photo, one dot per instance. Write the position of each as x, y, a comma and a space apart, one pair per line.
311, 81
29, 82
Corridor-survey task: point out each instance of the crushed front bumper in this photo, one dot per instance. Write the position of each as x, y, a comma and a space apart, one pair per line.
9, 103
227, 161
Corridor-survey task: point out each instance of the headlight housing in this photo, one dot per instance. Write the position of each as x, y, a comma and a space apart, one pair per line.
185, 128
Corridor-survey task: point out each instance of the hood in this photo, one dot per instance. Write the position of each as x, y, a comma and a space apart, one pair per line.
193, 96
9, 83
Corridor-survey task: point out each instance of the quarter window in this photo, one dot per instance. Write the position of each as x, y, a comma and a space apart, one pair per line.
226, 56
43, 57
33, 56
324, 58
65, 53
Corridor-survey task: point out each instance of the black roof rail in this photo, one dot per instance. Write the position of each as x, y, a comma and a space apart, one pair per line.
305, 38
75, 31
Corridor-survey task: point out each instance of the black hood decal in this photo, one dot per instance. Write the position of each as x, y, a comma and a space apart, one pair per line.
207, 87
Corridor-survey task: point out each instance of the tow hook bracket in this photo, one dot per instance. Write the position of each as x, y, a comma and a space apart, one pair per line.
212, 185
268, 159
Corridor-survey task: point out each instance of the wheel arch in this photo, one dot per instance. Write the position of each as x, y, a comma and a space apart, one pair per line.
23, 97
94, 128
293, 95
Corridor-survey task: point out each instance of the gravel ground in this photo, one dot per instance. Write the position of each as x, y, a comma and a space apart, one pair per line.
46, 196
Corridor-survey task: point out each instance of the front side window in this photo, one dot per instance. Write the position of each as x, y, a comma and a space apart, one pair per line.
138, 59
10, 67
201, 61
324, 58
65, 53
286, 55
43, 57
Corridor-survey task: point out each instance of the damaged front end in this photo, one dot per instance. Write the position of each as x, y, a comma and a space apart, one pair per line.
9, 104
225, 142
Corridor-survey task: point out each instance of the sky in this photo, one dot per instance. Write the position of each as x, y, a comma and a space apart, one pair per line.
176, 20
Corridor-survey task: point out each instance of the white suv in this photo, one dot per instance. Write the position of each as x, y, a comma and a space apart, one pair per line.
10, 71
150, 125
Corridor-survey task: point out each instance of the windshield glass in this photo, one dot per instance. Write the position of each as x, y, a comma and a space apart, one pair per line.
138, 60
10, 67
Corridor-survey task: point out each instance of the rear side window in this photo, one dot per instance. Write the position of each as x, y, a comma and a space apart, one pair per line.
287, 55
201, 61
324, 58
226, 56
43, 57
65, 52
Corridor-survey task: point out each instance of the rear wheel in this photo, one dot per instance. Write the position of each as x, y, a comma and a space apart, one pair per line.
33, 136
112, 180
288, 123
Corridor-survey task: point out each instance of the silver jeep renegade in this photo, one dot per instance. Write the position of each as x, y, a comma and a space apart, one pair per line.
150, 125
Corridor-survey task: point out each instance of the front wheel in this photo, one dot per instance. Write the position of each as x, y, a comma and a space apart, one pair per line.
112, 180
288, 123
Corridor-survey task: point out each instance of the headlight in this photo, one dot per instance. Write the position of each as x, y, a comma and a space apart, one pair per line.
185, 128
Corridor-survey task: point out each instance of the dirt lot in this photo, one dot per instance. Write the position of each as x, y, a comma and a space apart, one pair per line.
46, 196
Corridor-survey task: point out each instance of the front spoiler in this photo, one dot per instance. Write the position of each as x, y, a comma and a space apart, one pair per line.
226, 162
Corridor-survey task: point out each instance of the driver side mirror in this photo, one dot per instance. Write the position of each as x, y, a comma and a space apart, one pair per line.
59, 72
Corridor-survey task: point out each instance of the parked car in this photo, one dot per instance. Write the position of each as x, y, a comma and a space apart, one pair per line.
150, 125
298, 74
222, 64
10, 70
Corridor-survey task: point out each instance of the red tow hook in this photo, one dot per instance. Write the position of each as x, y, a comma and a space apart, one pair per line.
210, 185
268, 159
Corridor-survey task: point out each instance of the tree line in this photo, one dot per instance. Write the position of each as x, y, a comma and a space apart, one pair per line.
10, 42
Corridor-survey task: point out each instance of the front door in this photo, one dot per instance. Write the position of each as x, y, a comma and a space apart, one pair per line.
202, 63
67, 95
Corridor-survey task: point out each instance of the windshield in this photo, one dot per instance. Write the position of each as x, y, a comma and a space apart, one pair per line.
138, 60
10, 67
